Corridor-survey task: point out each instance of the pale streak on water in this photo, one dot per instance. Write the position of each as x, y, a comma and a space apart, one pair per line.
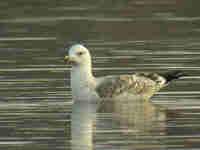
124, 37
27, 38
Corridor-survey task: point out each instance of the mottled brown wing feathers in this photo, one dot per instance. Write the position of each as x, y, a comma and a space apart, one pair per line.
152, 76
137, 84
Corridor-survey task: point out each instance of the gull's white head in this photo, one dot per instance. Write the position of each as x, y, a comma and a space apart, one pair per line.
78, 55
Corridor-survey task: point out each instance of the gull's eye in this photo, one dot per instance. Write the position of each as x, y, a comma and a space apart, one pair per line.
80, 53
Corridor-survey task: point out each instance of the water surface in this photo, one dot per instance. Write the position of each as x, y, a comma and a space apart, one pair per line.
123, 37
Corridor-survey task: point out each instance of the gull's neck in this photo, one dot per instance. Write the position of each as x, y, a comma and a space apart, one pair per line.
82, 81
82, 73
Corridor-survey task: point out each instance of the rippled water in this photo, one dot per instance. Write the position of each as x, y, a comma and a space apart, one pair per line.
123, 37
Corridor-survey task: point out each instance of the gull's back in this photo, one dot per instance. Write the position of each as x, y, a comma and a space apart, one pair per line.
140, 85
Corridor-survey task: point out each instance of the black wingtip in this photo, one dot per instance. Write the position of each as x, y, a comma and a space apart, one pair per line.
171, 75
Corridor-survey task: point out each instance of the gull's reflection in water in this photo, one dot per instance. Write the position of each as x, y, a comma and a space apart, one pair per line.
130, 123
140, 114
95, 126
82, 125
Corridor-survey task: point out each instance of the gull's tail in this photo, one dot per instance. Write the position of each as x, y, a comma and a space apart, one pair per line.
171, 75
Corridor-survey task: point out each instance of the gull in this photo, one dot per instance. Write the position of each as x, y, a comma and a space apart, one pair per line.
87, 87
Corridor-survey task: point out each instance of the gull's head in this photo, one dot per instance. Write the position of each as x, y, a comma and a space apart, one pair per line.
78, 55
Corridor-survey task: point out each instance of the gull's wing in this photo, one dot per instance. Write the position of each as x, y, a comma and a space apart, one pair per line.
139, 84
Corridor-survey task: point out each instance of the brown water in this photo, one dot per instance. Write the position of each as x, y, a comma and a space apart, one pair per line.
123, 37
